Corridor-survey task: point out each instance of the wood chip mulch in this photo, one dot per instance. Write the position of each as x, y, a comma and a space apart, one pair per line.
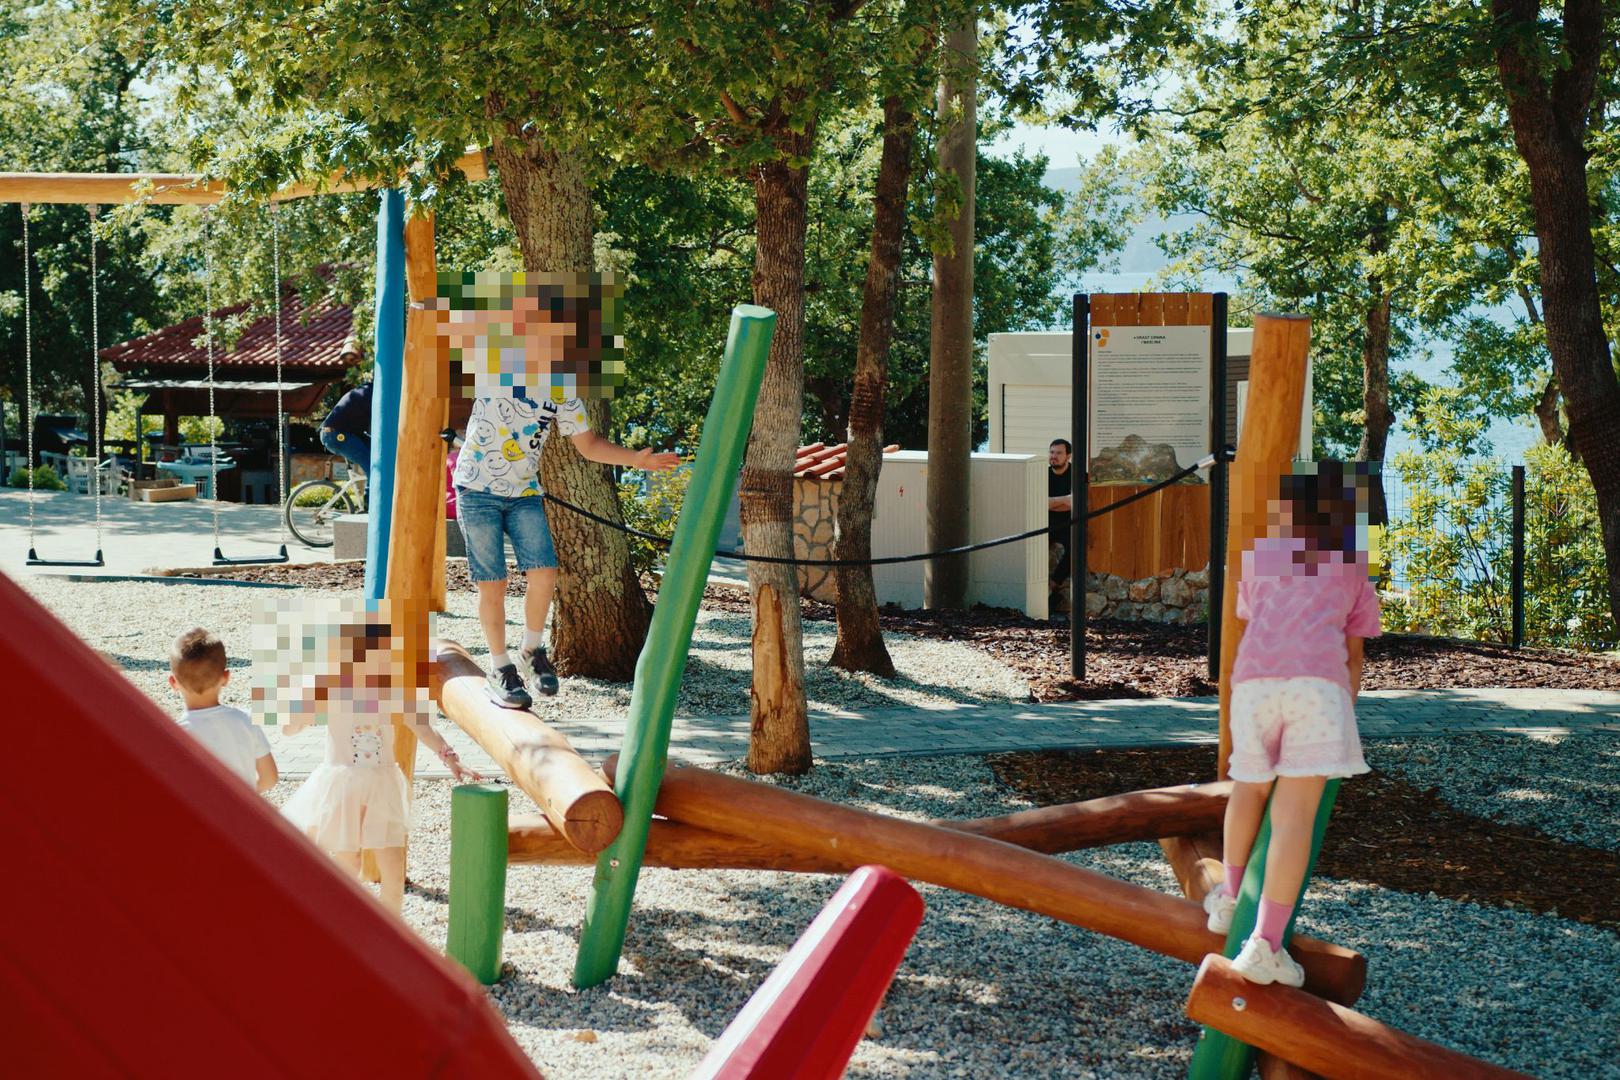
1385, 831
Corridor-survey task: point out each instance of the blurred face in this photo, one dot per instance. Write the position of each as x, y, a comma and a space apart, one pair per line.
531, 335
1057, 456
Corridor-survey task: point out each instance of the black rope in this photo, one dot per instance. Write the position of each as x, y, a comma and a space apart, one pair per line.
890, 560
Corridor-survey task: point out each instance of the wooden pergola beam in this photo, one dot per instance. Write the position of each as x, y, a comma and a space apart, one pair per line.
177, 189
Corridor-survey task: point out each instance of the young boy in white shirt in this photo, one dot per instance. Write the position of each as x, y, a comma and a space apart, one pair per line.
547, 337
197, 672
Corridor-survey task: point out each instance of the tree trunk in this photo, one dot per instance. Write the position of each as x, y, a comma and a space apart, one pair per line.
860, 638
1546, 410
950, 360
1549, 118
779, 738
1375, 381
601, 614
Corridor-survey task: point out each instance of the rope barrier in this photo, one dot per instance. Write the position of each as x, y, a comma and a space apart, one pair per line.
1203, 463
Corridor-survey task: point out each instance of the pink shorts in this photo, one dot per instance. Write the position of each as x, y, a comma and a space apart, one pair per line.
1293, 727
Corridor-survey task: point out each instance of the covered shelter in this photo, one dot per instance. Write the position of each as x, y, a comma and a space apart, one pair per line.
170, 366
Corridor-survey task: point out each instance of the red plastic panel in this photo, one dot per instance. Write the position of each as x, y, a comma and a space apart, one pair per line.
804, 1021
163, 920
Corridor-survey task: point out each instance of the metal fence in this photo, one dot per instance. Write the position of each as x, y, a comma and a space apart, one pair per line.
1488, 551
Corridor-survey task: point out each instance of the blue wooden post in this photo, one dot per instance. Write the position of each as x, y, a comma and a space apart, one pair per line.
387, 373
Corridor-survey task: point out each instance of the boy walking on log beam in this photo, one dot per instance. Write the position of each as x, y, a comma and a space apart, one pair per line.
530, 346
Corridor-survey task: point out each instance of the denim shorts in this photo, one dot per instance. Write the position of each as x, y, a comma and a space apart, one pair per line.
486, 520
355, 449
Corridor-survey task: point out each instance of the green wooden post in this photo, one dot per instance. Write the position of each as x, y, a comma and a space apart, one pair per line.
1218, 1056
663, 658
477, 879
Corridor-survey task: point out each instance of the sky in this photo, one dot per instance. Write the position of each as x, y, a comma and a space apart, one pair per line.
1063, 148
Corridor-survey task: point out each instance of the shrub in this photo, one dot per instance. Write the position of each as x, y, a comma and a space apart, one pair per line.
1452, 549
45, 479
651, 503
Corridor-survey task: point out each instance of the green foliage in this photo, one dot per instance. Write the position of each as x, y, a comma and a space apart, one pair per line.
652, 503
686, 244
1565, 588
1451, 548
197, 429
1336, 151
45, 479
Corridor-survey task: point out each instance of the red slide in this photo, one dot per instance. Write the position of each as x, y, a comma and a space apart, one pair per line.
157, 918
806, 1019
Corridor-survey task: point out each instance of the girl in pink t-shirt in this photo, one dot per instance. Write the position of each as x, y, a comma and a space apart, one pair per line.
1309, 601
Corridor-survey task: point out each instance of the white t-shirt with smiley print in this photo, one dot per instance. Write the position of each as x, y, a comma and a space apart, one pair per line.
501, 454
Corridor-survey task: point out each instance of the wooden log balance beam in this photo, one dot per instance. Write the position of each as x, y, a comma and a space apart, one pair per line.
177, 189
1196, 861
575, 799
978, 865
1326, 1038
1115, 819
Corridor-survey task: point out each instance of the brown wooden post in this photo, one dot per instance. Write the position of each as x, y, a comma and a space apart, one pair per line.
1266, 446
418, 476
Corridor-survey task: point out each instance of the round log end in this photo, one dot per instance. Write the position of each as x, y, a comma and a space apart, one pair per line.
593, 820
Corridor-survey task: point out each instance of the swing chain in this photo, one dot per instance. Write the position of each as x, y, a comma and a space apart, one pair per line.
28, 364
95, 371
208, 344
281, 421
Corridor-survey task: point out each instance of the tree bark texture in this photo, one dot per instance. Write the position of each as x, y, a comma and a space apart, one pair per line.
1549, 115
779, 737
1375, 380
1547, 414
601, 614
860, 637
950, 357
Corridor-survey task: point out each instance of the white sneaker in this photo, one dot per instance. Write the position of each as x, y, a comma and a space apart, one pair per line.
1219, 906
1260, 964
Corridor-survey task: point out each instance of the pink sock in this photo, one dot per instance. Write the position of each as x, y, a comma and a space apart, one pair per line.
1273, 921
1234, 878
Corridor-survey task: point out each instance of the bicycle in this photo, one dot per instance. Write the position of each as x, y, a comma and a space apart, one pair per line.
313, 506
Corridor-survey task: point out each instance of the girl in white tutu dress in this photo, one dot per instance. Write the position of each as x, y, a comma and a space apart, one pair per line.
357, 800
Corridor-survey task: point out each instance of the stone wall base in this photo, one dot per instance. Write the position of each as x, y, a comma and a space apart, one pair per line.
1179, 597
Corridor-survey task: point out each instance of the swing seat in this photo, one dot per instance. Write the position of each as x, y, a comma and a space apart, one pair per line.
220, 558
35, 560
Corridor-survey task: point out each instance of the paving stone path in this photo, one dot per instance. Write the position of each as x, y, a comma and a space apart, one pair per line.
977, 729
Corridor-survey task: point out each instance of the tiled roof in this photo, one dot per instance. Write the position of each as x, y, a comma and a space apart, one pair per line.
825, 462
310, 338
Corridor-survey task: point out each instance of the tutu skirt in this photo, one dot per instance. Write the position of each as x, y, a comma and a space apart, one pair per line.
352, 807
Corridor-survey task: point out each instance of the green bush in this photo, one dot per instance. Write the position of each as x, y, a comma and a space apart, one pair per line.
45, 479
1453, 547
1565, 585
651, 503
319, 496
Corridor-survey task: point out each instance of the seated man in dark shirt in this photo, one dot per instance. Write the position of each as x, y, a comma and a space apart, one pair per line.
347, 429
1059, 508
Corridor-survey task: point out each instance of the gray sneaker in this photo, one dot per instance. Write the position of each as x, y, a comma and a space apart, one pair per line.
545, 676
506, 688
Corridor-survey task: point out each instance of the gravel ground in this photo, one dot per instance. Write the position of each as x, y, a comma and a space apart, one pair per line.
1566, 786
986, 991
135, 622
